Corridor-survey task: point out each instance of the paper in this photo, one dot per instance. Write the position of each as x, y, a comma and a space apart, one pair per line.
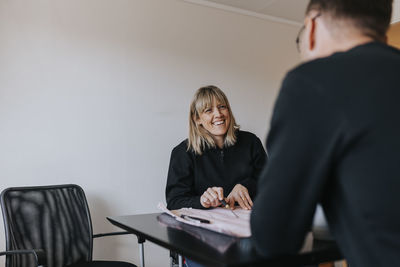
221, 243
221, 219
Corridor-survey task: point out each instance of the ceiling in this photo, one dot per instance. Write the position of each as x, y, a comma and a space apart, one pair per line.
292, 10
286, 11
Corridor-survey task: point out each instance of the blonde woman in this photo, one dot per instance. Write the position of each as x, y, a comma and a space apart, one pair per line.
218, 161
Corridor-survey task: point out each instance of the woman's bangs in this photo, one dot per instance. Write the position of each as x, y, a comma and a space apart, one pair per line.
205, 100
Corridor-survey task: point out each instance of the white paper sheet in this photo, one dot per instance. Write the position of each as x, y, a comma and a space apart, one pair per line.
221, 219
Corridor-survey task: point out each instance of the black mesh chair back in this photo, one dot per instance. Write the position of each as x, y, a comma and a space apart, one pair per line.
53, 218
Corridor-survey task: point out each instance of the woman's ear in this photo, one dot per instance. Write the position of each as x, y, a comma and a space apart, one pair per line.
196, 120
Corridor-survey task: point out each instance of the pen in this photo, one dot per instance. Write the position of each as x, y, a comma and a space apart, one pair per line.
194, 219
226, 205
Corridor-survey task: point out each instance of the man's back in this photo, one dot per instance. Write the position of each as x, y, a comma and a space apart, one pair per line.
335, 139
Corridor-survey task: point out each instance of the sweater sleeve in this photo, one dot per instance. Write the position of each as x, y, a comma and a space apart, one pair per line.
258, 159
305, 132
180, 183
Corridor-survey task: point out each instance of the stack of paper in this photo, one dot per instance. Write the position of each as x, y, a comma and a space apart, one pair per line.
221, 220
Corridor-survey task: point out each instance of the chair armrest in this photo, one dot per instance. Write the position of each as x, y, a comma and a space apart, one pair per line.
110, 234
40, 255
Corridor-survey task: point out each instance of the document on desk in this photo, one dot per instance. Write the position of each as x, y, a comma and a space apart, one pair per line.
220, 220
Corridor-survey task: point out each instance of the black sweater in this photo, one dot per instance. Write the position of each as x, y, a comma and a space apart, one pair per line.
189, 175
335, 139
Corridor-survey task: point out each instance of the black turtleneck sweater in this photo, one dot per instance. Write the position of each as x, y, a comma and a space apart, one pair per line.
189, 175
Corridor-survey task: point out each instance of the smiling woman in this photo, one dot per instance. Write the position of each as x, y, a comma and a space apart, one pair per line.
217, 158
210, 120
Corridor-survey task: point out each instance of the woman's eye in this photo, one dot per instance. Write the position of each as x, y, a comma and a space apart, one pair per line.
222, 107
207, 110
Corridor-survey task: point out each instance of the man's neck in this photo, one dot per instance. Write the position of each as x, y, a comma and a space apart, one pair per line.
342, 42
345, 44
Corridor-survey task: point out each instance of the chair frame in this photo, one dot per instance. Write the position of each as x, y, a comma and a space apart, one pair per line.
39, 253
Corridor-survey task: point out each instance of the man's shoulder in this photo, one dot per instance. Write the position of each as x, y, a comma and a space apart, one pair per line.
311, 69
342, 63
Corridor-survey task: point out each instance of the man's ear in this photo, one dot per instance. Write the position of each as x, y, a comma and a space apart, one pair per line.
311, 27
311, 34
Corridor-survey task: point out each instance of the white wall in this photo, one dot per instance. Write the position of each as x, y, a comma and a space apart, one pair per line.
396, 11
96, 93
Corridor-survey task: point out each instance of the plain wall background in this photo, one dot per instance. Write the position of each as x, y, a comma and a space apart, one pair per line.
96, 92
396, 11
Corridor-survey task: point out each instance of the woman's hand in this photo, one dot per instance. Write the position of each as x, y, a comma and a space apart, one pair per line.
212, 197
240, 194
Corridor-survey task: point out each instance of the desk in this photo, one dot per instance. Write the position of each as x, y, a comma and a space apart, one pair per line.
210, 248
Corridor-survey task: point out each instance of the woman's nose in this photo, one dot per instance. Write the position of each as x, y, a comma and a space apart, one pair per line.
217, 112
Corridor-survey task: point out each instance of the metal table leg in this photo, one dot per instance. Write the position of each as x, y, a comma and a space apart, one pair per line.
180, 261
141, 250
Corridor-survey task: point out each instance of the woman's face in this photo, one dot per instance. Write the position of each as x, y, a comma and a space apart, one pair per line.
215, 119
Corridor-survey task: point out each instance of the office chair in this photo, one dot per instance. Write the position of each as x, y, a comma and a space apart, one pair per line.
50, 226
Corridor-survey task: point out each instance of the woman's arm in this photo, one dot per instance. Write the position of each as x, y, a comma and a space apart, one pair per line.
180, 183
245, 191
259, 160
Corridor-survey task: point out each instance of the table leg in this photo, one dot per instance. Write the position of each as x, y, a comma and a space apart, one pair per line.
141, 251
180, 260
141, 254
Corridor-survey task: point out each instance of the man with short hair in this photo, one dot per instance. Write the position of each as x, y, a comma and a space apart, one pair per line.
335, 138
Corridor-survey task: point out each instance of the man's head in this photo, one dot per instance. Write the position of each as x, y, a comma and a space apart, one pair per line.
338, 25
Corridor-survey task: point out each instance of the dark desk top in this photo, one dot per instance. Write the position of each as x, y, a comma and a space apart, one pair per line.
211, 248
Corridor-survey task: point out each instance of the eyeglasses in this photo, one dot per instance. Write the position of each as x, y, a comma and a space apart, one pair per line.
298, 38
301, 31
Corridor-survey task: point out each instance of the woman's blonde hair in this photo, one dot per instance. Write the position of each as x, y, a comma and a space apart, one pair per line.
200, 138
